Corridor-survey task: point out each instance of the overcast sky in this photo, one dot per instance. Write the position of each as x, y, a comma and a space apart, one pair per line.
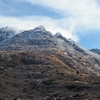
75, 19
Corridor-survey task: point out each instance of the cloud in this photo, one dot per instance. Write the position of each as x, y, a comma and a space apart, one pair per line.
30, 22
78, 15
84, 13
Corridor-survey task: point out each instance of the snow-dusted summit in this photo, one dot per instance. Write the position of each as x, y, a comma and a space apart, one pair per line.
38, 37
6, 34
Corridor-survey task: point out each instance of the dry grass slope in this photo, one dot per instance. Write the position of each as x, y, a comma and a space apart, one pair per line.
46, 76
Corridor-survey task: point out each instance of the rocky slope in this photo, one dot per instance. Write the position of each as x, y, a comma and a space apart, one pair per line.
37, 65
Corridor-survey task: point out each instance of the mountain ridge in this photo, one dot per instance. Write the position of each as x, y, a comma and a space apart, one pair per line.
37, 65
36, 36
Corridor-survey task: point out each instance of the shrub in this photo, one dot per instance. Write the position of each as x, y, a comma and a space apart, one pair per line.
49, 81
77, 86
96, 82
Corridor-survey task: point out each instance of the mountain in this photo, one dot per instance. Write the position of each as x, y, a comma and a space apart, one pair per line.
37, 65
95, 51
37, 36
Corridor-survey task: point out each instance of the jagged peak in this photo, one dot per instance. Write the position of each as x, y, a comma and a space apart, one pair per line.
58, 35
40, 28
95, 50
9, 29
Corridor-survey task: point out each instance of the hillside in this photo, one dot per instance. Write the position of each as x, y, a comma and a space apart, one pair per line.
37, 65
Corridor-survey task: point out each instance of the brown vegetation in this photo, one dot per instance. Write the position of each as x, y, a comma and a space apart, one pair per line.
47, 76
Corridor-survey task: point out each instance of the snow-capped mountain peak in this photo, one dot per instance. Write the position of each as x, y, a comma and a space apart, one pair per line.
39, 37
39, 28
